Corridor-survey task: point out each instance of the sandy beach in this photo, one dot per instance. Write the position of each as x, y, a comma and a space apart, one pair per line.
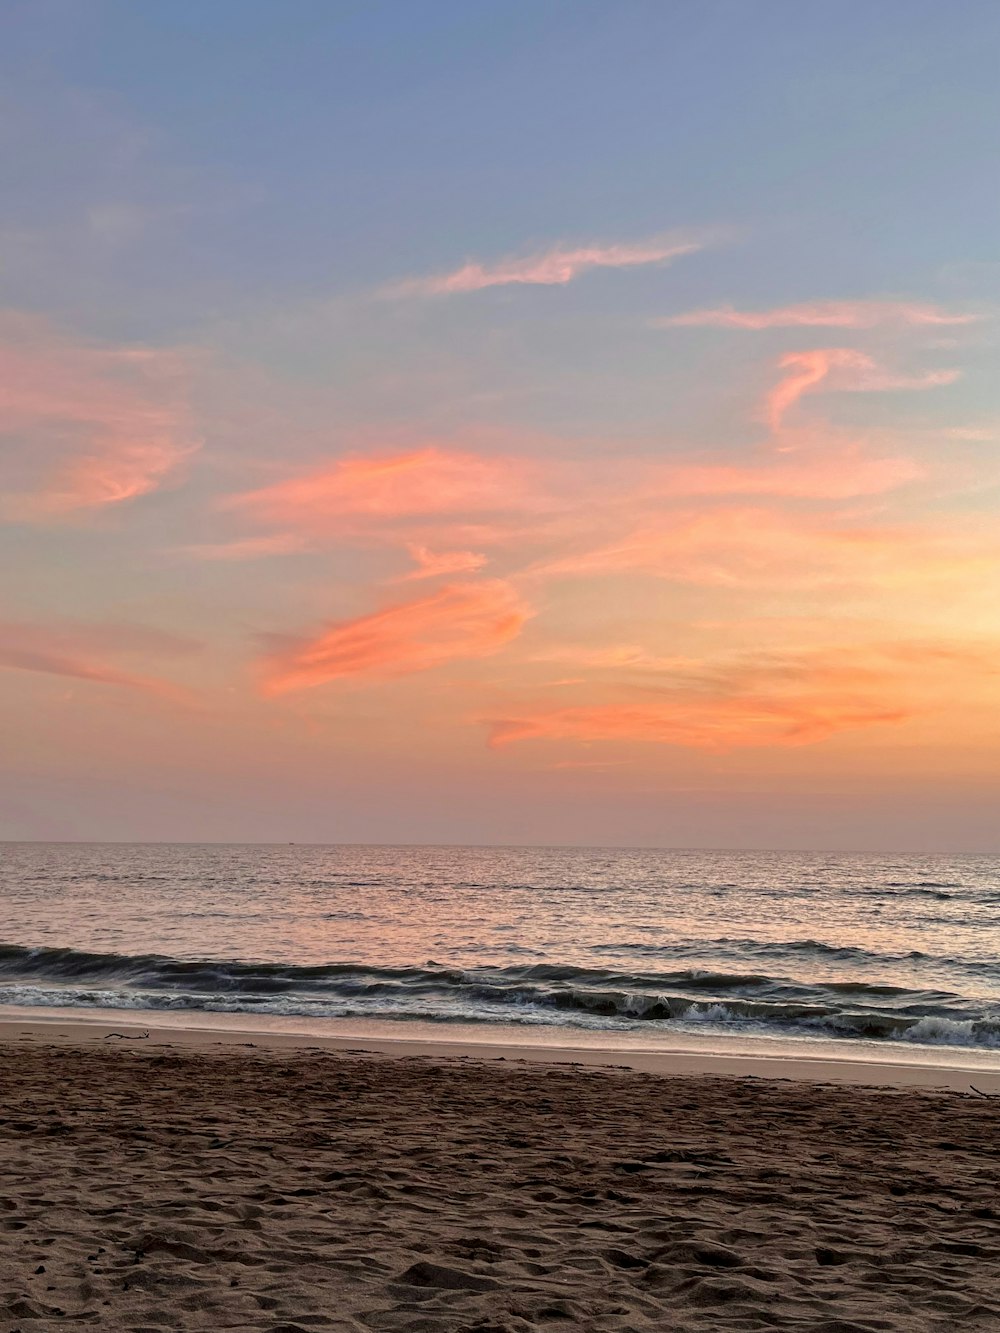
191, 1181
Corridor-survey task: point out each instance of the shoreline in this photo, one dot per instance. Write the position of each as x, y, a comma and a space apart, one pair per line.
679, 1059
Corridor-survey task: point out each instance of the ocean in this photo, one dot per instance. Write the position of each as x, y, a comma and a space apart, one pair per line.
855, 950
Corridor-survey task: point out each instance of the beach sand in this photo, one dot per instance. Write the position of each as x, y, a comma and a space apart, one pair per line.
191, 1182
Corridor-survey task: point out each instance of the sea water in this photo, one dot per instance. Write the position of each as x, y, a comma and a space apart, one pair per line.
900, 951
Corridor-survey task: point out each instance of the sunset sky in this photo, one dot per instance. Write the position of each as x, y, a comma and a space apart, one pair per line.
516, 421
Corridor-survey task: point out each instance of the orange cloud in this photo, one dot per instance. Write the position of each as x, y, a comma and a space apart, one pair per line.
835, 475
247, 548
612, 657
433, 564
421, 483
762, 701
821, 314
766, 699
78, 652
461, 620
717, 725
90, 425
552, 268
443, 504
857, 373
731, 546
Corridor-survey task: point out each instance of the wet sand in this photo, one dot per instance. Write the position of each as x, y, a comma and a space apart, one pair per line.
176, 1182
828, 1062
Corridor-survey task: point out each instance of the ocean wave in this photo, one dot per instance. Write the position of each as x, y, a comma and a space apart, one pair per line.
806, 950
915, 884
534, 993
234, 975
608, 1013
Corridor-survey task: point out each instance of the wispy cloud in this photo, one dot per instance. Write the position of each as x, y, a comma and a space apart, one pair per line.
244, 548
753, 547
846, 369
723, 523
804, 370
554, 267
82, 652
91, 425
434, 564
836, 473
461, 620
821, 314
706, 724
764, 699
421, 482
974, 434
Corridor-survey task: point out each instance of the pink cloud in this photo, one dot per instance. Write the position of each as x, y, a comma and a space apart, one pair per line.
822, 314
553, 267
90, 425
633, 516
81, 652
424, 482
754, 547
805, 370
612, 657
847, 370
433, 564
764, 701
246, 548
836, 475
446, 506
461, 620
718, 725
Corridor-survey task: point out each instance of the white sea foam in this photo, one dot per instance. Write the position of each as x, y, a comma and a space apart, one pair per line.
933, 1031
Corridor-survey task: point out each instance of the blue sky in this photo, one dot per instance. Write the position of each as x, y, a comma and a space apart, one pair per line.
281, 150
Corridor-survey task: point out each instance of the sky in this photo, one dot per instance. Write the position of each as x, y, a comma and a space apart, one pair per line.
535, 421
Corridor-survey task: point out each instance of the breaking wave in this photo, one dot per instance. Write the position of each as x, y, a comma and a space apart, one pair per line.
546, 993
